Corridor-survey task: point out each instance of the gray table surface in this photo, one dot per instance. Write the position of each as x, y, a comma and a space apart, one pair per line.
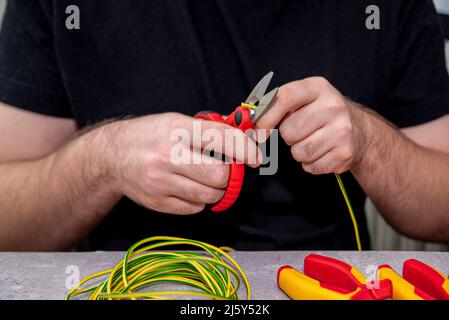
45, 275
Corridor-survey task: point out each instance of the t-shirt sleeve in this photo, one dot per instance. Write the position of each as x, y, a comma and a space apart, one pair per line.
29, 75
419, 86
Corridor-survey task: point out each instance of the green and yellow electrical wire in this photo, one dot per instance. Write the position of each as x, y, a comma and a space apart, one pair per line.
208, 271
351, 211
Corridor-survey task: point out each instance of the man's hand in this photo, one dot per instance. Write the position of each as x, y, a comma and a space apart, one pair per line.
329, 133
56, 192
325, 130
145, 172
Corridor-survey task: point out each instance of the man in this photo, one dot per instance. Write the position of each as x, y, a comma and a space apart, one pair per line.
159, 62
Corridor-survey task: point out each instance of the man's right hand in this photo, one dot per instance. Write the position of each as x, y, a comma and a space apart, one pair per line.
56, 186
139, 159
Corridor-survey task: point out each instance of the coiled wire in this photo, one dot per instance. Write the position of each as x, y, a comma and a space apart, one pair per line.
211, 273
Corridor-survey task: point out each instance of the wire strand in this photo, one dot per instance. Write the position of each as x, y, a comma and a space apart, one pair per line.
351, 212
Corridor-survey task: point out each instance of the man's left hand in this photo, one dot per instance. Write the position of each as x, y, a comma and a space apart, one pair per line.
327, 132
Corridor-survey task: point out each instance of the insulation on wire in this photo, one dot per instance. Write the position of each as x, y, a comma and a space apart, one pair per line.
351, 212
207, 271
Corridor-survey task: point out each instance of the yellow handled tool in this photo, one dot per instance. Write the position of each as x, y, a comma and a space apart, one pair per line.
326, 278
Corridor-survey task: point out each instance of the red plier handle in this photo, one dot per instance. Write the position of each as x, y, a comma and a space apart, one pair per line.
241, 119
244, 117
326, 278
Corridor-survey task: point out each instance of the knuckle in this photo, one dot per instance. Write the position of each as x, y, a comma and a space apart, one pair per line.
203, 169
287, 132
211, 196
321, 81
306, 151
189, 193
157, 204
340, 170
162, 158
321, 169
345, 153
221, 176
310, 148
196, 209
151, 177
307, 117
349, 127
296, 153
335, 105
218, 174
346, 128
318, 167
185, 209
175, 120
310, 168
284, 96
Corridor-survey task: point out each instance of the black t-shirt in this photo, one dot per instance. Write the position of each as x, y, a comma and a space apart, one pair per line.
141, 57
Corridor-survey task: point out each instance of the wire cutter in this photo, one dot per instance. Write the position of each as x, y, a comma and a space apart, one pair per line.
419, 281
244, 117
326, 278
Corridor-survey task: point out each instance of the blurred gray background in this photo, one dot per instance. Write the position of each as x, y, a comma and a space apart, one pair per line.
2, 6
383, 237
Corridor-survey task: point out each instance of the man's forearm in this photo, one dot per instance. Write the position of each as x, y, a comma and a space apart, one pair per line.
51, 203
408, 183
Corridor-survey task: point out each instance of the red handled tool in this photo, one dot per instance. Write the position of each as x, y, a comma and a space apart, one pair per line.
326, 278
244, 117
427, 279
418, 282
402, 289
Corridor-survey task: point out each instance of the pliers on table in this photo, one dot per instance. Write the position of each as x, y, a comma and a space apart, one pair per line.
419, 281
326, 278
244, 117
